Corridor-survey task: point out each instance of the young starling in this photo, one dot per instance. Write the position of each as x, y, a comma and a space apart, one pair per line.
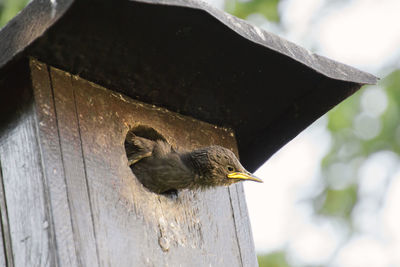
162, 169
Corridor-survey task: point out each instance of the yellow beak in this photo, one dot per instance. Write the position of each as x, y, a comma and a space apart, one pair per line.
244, 176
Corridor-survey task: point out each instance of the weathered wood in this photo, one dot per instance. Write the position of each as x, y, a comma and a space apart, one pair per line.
6, 255
25, 214
134, 226
3, 260
4, 225
243, 226
53, 170
25, 193
72, 200
74, 168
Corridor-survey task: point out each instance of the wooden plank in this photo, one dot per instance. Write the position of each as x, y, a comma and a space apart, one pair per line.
134, 226
74, 168
4, 224
3, 260
242, 226
53, 170
25, 195
6, 255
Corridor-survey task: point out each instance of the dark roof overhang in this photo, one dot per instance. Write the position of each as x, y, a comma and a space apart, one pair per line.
191, 58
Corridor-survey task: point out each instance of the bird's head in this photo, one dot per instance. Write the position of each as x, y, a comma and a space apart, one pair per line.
219, 166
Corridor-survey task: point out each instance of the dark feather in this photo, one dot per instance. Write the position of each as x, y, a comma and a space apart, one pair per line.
160, 168
157, 165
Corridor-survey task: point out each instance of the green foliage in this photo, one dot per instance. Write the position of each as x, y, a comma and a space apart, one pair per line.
274, 259
243, 8
341, 116
339, 202
357, 134
389, 136
350, 147
9, 8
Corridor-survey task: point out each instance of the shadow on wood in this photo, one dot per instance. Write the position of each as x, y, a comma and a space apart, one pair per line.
65, 168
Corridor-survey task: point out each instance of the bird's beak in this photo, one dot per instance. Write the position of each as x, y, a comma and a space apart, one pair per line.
244, 176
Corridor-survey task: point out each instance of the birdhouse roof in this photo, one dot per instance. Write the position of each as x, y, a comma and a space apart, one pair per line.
189, 57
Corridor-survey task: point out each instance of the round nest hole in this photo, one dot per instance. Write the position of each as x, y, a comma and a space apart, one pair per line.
132, 152
145, 132
142, 131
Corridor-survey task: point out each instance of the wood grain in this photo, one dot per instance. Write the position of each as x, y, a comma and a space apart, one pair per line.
65, 168
25, 193
53, 169
3, 259
6, 255
134, 226
74, 168
242, 226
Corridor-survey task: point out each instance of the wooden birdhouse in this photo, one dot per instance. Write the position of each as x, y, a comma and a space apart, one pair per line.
77, 75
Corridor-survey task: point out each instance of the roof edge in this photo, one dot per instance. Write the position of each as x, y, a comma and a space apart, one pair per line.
30, 23
323, 65
41, 15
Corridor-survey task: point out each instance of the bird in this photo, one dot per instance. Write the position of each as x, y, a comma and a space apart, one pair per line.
162, 169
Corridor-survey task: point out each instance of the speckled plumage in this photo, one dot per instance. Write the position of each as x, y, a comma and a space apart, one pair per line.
160, 168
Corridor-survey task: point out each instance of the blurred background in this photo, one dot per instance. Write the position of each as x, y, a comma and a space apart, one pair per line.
331, 196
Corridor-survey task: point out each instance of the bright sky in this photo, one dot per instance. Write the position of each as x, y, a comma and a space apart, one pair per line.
364, 34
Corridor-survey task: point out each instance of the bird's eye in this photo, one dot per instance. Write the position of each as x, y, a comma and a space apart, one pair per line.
230, 168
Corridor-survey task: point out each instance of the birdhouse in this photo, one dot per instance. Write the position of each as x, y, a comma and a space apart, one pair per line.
76, 76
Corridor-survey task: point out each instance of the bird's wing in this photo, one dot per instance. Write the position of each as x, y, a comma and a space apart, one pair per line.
163, 173
138, 148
